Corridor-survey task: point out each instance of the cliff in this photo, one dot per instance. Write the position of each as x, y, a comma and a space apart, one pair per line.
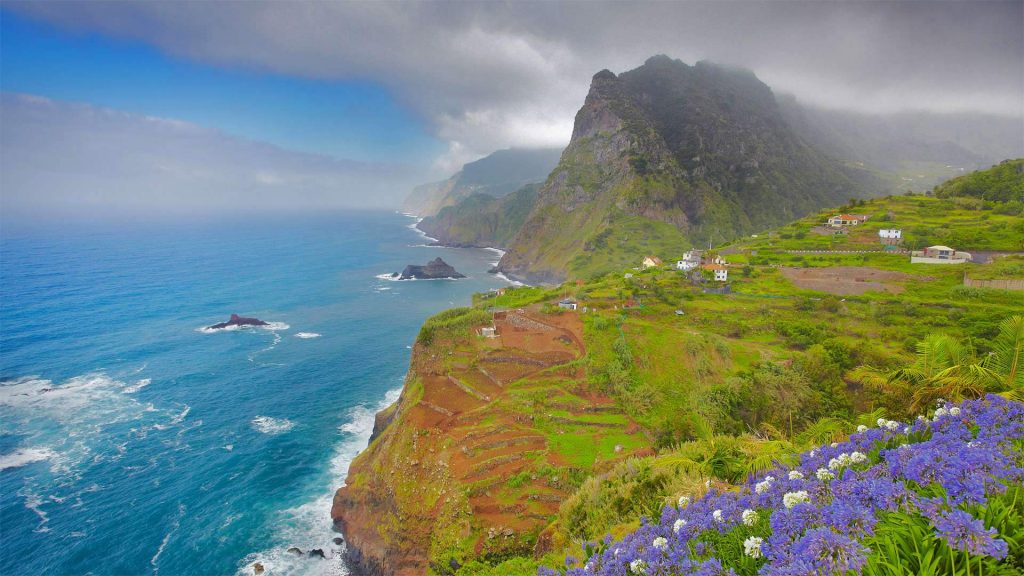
468, 465
665, 155
495, 175
480, 220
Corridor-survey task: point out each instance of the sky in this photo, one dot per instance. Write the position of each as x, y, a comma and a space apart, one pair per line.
350, 103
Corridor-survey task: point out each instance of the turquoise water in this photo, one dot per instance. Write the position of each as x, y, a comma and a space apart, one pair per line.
134, 442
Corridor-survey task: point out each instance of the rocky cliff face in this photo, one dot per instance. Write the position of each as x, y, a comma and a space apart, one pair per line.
481, 220
670, 153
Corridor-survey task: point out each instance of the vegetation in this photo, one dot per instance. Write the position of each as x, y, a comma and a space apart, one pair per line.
1004, 182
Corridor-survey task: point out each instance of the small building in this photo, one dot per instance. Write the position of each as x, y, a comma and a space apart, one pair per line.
720, 271
651, 262
568, 304
846, 220
489, 332
890, 233
939, 255
691, 259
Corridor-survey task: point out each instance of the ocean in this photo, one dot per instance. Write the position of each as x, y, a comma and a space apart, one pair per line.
133, 441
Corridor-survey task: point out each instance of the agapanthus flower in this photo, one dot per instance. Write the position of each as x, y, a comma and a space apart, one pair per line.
824, 474
940, 412
862, 428
796, 475
954, 411
752, 546
678, 525
717, 515
858, 457
830, 552
638, 566
749, 517
764, 485
684, 501
791, 499
968, 534
660, 543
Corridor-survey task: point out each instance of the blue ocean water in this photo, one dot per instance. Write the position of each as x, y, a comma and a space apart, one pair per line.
134, 442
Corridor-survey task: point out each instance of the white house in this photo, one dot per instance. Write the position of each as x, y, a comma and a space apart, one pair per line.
939, 255
691, 259
567, 304
890, 233
846, 220
721, 272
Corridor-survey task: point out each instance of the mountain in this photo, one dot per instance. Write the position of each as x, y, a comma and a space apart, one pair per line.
669, 154
1003, 182
917, 149
497, 175
481, 220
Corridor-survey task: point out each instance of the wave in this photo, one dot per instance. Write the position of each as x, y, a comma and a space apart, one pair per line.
139, 385
272, 426
414, 228
309, 526
395, 277
501, 276
167, 537
23, 456
307, 335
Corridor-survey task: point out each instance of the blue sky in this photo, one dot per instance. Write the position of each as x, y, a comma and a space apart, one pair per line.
346, 119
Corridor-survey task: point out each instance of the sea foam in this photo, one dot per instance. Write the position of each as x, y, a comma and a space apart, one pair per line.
272, 426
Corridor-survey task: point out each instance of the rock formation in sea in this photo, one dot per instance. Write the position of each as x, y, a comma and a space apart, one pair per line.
237, 320
433, 270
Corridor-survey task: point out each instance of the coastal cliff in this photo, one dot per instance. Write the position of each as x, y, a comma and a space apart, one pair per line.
470, 463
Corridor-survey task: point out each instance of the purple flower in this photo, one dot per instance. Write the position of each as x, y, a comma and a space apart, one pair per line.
968, 534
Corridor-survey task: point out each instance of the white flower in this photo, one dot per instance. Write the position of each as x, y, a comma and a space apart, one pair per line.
684, 501
763, 486
834, 464
615, 552
954, 411
812, 453
862, 428
678, 525
858, 457
707, 483
892, 425
638, 566
844, 459
752, 546
660, 543
749, 517
796, 475
824, 475
906, 429
880, 422
793, 498
922, 418
834, 444
717, 515
941, 412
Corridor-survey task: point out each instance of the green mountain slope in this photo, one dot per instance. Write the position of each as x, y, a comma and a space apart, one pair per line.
482, 220
668, 154
496, 175
1003, 182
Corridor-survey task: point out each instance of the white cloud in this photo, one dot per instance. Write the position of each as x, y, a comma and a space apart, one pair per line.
60, 160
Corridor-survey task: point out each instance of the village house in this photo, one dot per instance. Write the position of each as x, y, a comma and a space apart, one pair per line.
651, 262
939, 255
489, 332
691, 259
567, 304
720, 271
890, 233
846, 220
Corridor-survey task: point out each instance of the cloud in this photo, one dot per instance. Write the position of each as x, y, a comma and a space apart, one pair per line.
62, 160
492, 74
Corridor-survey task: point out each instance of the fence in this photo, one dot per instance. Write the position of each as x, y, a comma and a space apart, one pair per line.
1000, 284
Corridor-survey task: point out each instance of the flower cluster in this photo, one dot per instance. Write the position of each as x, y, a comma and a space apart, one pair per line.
820, 516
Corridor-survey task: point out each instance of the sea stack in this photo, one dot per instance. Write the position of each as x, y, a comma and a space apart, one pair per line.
434, 270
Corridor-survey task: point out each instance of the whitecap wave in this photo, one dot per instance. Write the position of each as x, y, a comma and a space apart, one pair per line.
309, 526
512, 282
272, 426
415, 228
397, 278
139, 385
307, 335
23, 456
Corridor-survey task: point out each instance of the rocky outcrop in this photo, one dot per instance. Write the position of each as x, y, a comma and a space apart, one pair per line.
237, 320
481, 221
436, 269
